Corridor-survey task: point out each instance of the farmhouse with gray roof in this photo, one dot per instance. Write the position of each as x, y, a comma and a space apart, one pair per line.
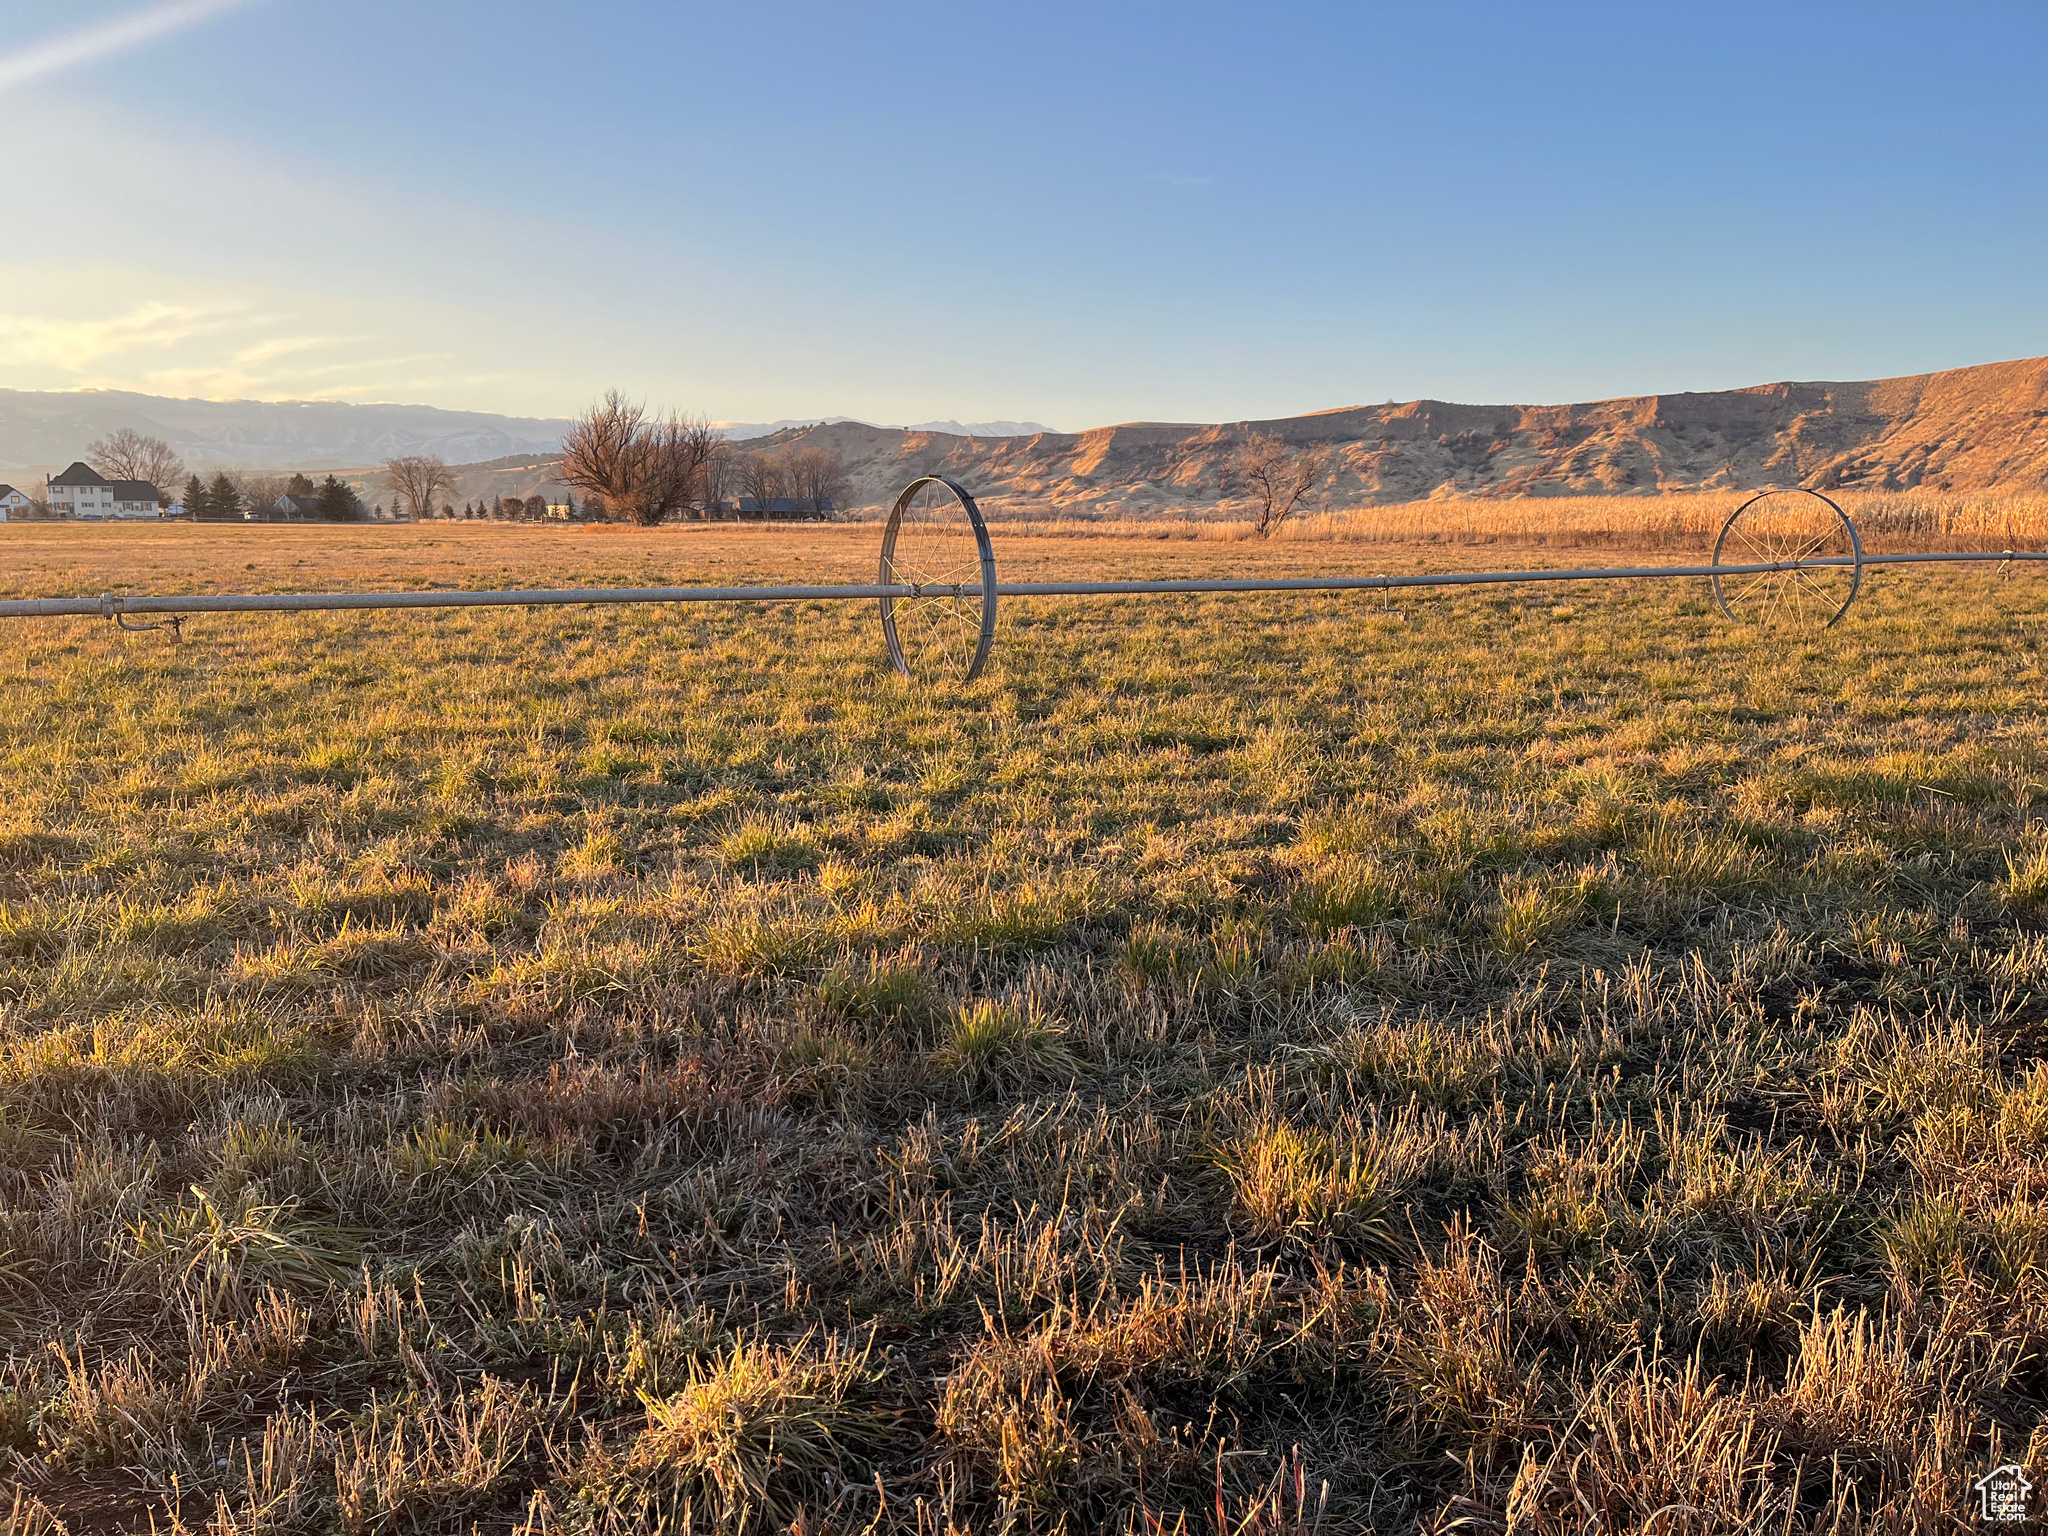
83, 492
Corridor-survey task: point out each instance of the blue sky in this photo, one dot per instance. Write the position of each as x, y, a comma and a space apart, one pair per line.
1074, 213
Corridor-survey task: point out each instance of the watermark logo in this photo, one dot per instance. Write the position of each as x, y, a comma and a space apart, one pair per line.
2002, 1494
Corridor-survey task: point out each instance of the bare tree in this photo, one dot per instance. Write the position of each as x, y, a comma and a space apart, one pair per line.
417, 479
650, 468
691, 445
126, 454
598, 449
719, 472
1277, 476
817, 476
260, 494
763, 477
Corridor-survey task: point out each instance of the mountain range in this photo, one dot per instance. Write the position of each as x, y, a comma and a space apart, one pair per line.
53, 427
1979, 428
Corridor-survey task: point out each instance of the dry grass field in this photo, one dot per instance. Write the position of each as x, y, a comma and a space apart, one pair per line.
1525, 1060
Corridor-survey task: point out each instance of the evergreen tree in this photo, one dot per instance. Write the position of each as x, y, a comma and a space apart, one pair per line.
497, 506
196, 506
224, 501
336, 503
301, 486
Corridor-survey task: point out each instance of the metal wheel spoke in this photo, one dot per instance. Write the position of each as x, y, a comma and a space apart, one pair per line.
1763, 555
960, 616
1815, 546
931, 610
1750, 586
1827, 598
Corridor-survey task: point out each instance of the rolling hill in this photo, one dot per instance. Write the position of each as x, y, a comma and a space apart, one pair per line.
1968, 428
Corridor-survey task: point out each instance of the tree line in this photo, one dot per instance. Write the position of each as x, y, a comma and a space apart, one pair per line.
649, 469
509, 509
635, 466
233, 498
629, 464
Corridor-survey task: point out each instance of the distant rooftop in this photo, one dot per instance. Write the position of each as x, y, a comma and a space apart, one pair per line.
81, 473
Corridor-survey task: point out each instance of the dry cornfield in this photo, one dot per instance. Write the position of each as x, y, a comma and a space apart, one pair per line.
1890, 521
1526, 1061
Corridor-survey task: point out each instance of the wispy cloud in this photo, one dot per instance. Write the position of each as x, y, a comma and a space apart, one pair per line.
88, 45
193, 383
75, 344
406, 361
212, 347
286, 346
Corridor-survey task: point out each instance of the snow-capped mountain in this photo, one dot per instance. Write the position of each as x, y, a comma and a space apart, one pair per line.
982, 428
739, 431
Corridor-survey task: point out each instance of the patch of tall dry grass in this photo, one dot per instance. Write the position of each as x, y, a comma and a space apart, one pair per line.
1887, 521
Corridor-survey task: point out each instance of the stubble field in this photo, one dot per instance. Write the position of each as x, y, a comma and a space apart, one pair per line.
1534, 1060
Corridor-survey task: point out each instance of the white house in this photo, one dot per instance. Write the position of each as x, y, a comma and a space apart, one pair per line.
13, 503
83, 492
137, 498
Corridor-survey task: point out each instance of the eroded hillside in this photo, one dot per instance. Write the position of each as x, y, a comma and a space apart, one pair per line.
1966, 428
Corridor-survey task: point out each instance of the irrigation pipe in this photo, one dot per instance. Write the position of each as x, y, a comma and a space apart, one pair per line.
111, 605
